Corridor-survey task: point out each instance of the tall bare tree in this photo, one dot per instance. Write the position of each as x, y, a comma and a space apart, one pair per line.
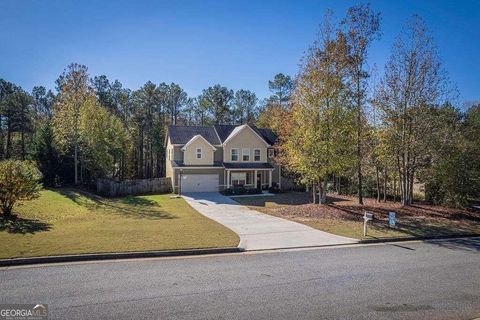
361, 27
413, 83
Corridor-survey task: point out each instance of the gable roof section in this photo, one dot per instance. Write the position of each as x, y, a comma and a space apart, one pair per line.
215, 135
240, 128
182, 135
198, 136
225, 130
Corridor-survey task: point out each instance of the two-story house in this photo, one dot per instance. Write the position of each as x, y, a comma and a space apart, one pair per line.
207, 159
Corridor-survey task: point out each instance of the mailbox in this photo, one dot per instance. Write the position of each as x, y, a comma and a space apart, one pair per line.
368, 216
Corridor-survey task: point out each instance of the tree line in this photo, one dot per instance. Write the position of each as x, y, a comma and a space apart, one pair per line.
91, 127
340, 126
344, 129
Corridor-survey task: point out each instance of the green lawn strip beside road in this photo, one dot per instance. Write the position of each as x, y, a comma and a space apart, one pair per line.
69, 221
354, 229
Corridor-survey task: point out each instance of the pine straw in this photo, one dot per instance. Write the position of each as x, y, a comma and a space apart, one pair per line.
416, 219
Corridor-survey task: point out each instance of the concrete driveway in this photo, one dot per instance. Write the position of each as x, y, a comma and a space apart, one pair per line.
257, 230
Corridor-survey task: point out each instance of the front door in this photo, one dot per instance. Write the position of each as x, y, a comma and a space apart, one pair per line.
259, 180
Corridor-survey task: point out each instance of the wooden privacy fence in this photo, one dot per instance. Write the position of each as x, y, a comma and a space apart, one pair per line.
112, 188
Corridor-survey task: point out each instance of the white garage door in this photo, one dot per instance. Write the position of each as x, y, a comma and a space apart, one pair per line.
199, 183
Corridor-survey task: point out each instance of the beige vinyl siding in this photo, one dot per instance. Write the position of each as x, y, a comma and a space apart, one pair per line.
190, 153
168, 163
246, 138
218, 155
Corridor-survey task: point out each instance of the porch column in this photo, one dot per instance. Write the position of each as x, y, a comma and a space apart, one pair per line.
228, 179
255, 179
269, 178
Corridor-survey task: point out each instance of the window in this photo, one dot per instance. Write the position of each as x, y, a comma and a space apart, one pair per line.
239, 178
234, 155
246, 154
256, 155
169, 156
271, 153
199, 153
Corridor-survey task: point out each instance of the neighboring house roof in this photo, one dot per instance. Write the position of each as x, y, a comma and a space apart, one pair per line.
198, 136
180, 164
182, 135
247, 165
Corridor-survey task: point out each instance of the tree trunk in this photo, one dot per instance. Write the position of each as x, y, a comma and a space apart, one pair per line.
322, 191
9, 140
359, 167
394, 189
75, 162
22, 140
385, 184
378, 183
314, 193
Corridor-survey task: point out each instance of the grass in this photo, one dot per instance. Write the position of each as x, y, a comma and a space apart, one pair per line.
343, 216
70, 221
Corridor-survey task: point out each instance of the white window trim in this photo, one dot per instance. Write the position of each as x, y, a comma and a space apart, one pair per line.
270, 153
198, 153
231, 154
259, 155
239, 176
246, 154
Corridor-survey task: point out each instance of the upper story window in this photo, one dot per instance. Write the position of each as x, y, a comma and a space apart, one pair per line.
199, 153
246, 154
234, 155
169, 154
271, 153
256, 155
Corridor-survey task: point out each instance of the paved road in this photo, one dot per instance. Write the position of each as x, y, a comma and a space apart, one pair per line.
257, 230
438, 280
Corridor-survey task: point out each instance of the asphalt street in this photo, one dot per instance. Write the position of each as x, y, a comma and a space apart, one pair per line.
408, 280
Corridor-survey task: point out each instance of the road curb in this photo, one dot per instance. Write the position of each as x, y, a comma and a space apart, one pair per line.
115, 256
369, 241
399, 239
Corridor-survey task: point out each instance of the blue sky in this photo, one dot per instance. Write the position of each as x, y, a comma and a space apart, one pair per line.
239, 44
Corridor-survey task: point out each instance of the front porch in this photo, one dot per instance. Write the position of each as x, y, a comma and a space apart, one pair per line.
254, 178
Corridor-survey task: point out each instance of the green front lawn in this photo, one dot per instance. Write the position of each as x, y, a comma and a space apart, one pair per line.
69, 221
343, 216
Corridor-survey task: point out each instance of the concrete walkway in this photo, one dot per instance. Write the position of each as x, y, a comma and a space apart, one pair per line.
257, 230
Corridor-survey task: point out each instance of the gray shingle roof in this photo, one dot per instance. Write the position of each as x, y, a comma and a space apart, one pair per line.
224, 131
180, 164
247, 165
181, 135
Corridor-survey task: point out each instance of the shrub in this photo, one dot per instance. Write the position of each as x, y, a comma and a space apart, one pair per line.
19, 180
274, 188
237, 191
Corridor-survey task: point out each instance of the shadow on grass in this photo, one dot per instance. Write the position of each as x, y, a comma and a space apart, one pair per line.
130, 206
19, 225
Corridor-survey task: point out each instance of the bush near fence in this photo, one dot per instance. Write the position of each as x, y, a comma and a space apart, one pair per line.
112, 188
